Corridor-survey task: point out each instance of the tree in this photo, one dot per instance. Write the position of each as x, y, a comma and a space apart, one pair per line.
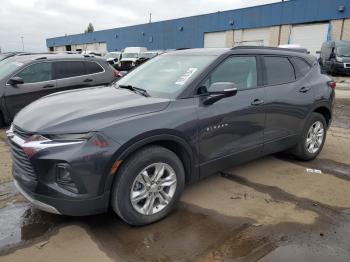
90, 28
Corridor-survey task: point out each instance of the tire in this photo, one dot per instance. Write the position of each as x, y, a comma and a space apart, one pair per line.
304, 150
129, 182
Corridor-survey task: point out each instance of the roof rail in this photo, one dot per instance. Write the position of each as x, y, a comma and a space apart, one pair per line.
265, 48
41, 58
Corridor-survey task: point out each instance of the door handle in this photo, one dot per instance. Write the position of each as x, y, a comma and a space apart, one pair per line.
49, 86
304, 89
258, 102
88, 80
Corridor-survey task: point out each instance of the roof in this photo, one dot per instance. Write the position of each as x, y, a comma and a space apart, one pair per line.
26, 58
246, 50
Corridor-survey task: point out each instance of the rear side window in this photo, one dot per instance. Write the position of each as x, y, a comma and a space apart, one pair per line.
34, 73
93, 68
279, 70
301, 67
66, 69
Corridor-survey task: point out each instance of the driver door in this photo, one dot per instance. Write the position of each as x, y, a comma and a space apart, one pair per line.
231, 130
37, 82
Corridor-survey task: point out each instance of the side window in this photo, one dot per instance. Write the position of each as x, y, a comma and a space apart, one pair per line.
34, 73
241, 71
66, 69
301, 67
93, 68
279, 70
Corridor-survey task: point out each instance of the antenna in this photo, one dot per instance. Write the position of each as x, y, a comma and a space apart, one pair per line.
150, 17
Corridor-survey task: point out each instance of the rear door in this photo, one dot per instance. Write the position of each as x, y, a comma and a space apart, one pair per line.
289, 98
38, 82
71, 75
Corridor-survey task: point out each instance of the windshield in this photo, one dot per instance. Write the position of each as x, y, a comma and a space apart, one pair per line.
8, 66
343, 50
112, 55
168, 75
130, 55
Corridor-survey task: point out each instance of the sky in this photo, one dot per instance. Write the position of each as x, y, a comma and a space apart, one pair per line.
35, 20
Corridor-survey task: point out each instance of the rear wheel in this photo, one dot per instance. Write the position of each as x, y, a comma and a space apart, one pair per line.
313, 138
148, 185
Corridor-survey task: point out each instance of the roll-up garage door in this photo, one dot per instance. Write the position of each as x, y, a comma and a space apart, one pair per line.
310, 37
257, 37
216, 39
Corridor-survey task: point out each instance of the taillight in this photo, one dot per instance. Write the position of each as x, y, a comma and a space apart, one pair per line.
332, 84
117, 73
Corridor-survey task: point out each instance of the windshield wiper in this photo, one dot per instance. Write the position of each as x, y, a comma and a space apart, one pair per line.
136, 90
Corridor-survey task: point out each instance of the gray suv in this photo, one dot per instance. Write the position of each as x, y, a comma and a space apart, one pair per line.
26, 78
173, 120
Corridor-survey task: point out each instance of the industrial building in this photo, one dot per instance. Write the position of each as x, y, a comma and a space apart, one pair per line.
308, 23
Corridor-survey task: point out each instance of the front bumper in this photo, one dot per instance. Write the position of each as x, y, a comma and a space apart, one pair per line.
342, 68
62, 206
36, 203
36, 177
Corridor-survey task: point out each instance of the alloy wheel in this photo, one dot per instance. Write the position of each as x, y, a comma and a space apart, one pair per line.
315, 137
153, 188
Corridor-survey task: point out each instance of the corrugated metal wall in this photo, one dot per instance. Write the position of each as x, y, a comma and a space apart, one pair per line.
189, 31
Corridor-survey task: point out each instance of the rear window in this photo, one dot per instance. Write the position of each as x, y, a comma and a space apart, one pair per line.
301, 67
279, 70
93, 68
66, 69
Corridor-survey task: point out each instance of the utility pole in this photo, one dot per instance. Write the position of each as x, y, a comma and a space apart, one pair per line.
22, 43
150, 17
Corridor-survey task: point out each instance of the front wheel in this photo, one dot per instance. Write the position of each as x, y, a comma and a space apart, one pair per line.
148, 185
313, 138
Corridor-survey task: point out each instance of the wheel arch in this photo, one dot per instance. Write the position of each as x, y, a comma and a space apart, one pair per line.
325, 112
174, 143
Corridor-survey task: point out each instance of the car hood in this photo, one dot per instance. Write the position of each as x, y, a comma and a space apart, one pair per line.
85, 110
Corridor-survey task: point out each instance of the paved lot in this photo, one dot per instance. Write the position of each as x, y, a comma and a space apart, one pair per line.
270, 209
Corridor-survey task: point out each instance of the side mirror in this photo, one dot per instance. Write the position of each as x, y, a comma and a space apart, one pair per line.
16, 81
220, 90
223, 88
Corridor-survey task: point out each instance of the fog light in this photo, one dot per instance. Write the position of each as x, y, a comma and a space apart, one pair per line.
63, 175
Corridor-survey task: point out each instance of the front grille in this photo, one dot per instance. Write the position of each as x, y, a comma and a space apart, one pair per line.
21, 133
21, 163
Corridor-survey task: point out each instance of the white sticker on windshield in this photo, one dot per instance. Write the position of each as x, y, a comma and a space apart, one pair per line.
183, 79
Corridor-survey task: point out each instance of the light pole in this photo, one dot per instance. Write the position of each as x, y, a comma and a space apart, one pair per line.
22, 43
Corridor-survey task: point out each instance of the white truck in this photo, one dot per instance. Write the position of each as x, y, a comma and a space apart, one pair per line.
130, 56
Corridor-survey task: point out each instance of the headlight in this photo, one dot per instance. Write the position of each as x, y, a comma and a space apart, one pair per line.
71, 137
36, 143
340, 59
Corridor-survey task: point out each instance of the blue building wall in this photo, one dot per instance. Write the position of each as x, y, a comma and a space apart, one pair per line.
189, 32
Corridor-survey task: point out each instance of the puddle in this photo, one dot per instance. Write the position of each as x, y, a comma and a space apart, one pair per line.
20, 225
186, 234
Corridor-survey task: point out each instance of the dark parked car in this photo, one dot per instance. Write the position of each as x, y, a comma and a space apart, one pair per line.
335, 57
26, 78
174, 120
